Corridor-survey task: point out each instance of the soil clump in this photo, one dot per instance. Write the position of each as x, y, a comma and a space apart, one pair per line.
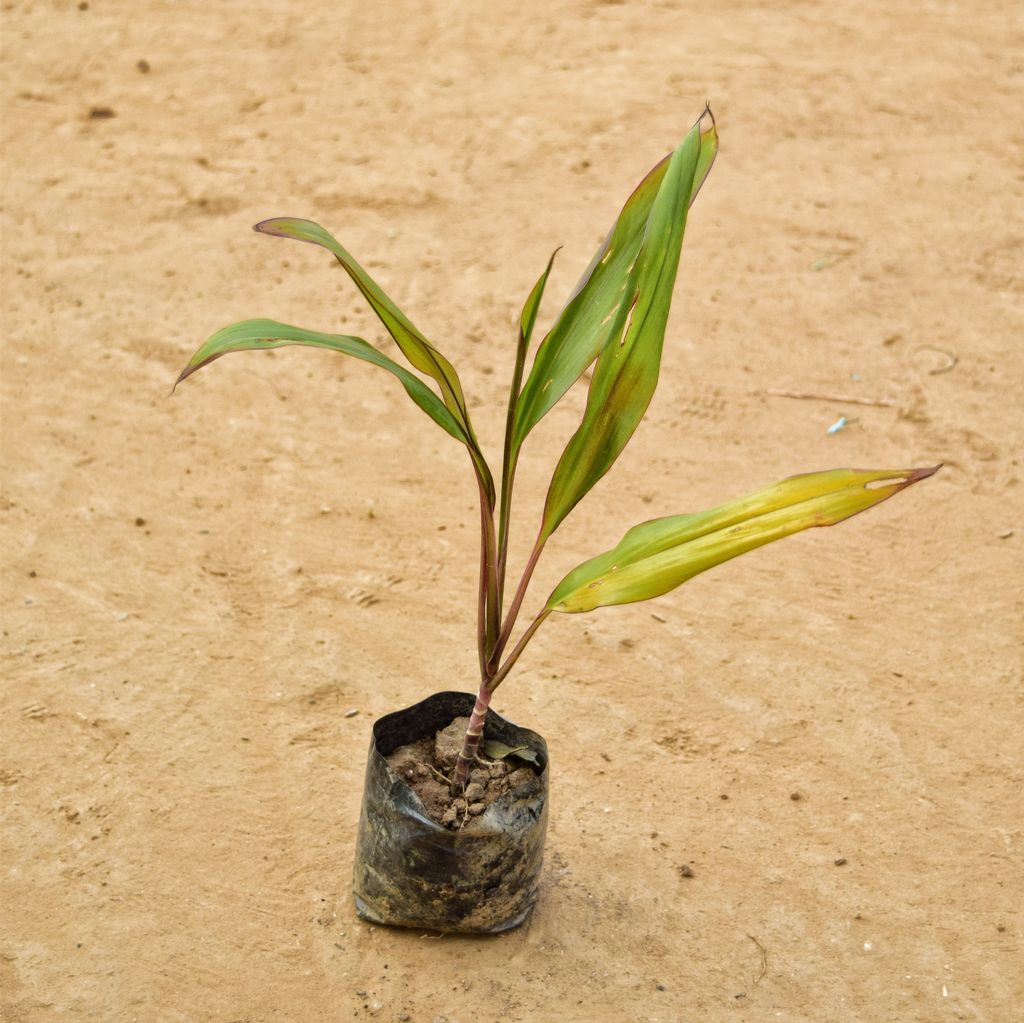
427, 764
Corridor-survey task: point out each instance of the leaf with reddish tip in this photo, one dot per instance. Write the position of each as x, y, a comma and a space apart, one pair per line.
595, 309
250, 335
627, 369
415, 347
660, 555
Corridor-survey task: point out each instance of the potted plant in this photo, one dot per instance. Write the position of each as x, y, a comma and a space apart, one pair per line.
454, 809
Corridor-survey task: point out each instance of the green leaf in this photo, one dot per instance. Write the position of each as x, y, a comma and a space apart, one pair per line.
499, 751
627, 369
595, 309
527, 320
658, 556
528, 317
415, 347
251, 335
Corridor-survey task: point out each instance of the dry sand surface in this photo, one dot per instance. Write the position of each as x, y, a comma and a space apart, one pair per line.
790, 790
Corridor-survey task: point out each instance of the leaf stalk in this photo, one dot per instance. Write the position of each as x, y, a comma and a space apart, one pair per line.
488, 611
517, 601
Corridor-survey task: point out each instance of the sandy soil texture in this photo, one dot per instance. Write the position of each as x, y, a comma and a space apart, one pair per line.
790, 790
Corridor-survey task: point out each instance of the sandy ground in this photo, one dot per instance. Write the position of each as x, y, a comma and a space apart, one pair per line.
197, 588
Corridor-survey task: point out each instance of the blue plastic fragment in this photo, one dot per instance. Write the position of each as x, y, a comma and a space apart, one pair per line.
837, 425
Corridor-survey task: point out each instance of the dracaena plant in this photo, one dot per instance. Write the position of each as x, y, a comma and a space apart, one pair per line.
615, 318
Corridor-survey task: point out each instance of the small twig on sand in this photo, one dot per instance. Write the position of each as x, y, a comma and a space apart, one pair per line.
842, 399
764, 959
951, 359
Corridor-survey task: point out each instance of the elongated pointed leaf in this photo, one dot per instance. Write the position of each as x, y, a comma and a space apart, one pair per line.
250, 335
627, 369
658, 556
594, 311
528, 317
414, 346
527, 320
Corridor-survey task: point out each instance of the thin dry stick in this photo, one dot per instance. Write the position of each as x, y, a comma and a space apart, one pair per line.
764, 959
950, 363
843, 399
438, 774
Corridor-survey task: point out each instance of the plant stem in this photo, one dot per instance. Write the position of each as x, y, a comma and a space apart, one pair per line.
488, 612
508, 476
475, 731
527, 321
517, 603
481, 612
510, 459
499, 675
477, 720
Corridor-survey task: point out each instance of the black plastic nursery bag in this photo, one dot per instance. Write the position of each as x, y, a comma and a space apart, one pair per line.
411, 871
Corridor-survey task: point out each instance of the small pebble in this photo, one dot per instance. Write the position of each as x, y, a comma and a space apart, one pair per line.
796, 796
351, 712
686, 870
1006, 534
660, 987
143, 66
840, 861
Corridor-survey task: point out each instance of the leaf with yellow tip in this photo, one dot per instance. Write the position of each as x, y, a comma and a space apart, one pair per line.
659, 555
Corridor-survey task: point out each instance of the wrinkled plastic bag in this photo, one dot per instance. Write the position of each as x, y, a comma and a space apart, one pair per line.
410, 871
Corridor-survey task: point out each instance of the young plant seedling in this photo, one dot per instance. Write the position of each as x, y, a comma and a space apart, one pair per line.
615, 319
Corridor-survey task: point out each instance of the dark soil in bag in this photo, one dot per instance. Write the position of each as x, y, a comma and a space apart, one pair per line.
427, 765
427, 859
